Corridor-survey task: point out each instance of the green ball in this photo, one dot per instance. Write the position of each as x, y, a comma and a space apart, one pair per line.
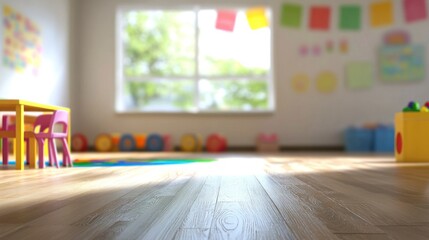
407, 109
415, 106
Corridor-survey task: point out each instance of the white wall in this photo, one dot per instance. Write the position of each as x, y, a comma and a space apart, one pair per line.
310, 119
51, 85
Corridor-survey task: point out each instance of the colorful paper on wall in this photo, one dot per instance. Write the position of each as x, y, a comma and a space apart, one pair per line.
291, 15
317, 50
22, 44
329, 45
414, 10
226, 20
300, 83
381, 13
402, 63
326, 82
320, 18
344, 46
257, 18
359, 75
303, 50
397, 37
350, 17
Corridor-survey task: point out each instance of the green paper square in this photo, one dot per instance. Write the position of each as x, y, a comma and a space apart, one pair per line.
291, 15
359, 75
350, 17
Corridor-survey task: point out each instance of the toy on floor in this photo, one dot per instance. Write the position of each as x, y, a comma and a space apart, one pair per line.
79, 142
412, 135
191, 143
267, 142
168, 143
140, 141
127, 143
103, 143
116, 138
216, 143
155, 143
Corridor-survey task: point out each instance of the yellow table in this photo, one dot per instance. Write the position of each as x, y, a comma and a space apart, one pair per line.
20, 107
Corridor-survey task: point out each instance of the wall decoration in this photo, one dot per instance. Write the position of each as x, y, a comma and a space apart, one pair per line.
326, 82
300, 83
381, 13
22, 43
225, 20
402, 63
329, 45
359, 75
344, 46
291, 15
397, 37
414, 10
350, 17
316, 50
320, 18
257, 18
303, 50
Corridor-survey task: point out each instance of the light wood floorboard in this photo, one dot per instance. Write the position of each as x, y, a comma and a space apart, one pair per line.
239, 196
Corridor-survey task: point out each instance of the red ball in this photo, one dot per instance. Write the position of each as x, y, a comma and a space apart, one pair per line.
216, 143
427, 104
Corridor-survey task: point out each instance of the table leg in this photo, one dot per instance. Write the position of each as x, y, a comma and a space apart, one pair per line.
19, 135
32, 154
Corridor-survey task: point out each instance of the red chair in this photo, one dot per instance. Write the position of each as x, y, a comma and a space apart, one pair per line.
46, 128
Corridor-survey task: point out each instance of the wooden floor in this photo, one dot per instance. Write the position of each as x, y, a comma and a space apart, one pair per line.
240, 196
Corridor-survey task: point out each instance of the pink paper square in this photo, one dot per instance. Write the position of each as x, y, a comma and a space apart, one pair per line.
414, 10
226, 20
320, 18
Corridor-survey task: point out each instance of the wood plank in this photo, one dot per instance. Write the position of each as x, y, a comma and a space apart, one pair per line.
407, 232
363, 237
192, 234
168, 220
201, 214
302, 222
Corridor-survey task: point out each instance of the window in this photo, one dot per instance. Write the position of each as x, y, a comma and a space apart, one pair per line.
183, 61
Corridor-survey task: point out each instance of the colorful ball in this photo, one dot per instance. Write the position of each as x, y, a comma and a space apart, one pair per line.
427, 104
79, 142
424, 109
127, 143
190, 143
155, 143
215, 143
103, 143
413, 105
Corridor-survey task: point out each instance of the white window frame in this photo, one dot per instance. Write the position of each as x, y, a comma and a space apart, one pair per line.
120, 78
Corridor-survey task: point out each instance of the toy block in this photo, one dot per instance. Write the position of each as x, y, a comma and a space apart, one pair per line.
411, 137
267, 143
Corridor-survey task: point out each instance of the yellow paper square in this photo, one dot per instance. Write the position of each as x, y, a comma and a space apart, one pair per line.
381, 13
257, 18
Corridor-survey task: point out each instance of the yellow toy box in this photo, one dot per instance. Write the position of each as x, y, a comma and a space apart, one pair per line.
412, 137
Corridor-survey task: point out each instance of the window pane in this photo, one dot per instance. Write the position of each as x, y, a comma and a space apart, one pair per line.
234, 95
241, 52
159, 43
175, 95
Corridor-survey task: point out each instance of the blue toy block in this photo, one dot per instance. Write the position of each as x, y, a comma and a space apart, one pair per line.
359, 139
384, 139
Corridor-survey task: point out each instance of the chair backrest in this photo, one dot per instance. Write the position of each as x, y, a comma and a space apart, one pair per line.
59, 117
42, 122
50, 121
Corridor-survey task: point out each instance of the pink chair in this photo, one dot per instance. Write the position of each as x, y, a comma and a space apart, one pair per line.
8, 131
47, 130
